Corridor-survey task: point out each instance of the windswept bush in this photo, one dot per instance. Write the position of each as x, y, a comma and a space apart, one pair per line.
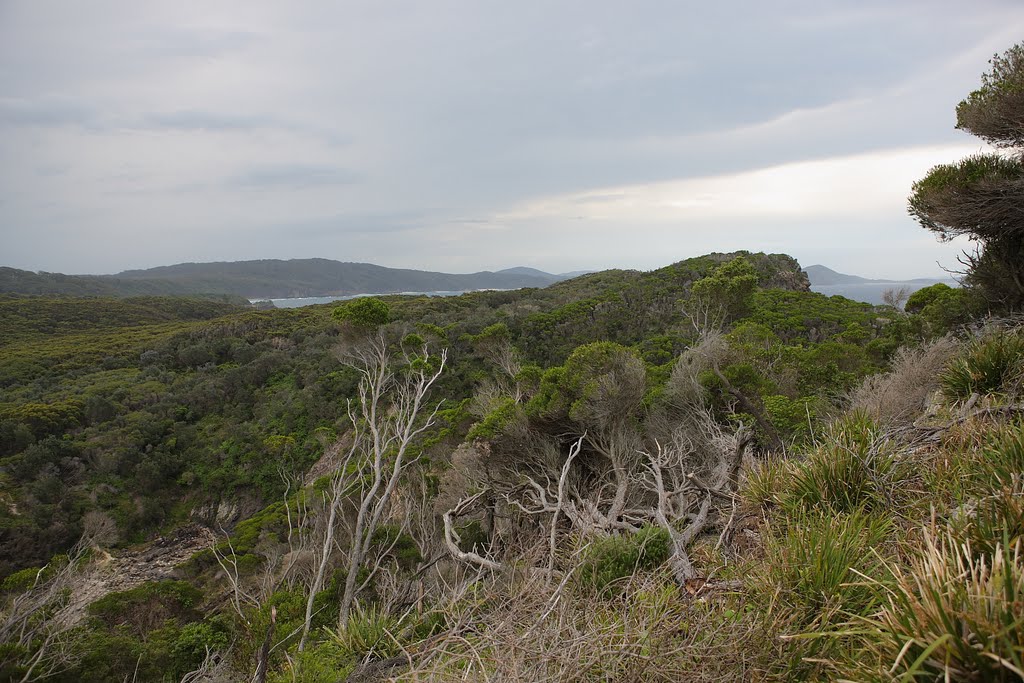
898, 397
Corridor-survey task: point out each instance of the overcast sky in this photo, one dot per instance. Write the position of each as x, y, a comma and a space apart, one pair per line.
463, 136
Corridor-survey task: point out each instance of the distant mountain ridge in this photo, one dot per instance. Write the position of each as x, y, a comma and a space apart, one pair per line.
269, 279
823, 275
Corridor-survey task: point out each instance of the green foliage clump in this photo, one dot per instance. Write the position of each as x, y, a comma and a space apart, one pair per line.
927, 296
369, 633
612, 558
992, 112
494, 423
980, 196
729, 288
598, 380
147, 606
44, 418
324, 662
811, 563
812, 580
792, 418
195, 640
399, 544
992, 365
943, 308
364, 313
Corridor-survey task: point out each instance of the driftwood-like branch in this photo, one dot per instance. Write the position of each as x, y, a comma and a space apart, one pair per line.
560, 501
451, 538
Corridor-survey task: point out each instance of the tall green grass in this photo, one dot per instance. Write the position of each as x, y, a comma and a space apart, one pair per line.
853, 468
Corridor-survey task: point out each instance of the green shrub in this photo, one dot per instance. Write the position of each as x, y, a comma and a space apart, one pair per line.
22, 580
147, 606
194, 641
366, 312
495, 422
791, 418
325, 662
993, 365
401, 545
607, 560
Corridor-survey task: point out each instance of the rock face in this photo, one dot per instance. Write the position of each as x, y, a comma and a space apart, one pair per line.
225, 513
155, 561
778, 271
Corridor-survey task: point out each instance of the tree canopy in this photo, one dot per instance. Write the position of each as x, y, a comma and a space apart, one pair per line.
982, 196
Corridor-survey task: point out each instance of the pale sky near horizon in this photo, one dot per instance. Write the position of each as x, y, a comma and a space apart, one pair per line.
465, 136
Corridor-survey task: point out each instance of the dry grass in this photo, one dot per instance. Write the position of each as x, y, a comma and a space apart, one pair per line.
897, 397
652, 630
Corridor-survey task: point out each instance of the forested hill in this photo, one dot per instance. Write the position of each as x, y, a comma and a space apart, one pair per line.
270, 278
187, 404
274, 278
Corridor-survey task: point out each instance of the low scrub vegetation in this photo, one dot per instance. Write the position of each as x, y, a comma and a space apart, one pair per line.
703, 473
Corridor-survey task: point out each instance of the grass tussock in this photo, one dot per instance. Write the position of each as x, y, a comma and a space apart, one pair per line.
993, 365
952, 615
854, 467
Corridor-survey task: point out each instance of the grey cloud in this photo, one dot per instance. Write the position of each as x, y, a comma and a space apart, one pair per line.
206, 43
49, 112
412, 116
195, 120
292, 177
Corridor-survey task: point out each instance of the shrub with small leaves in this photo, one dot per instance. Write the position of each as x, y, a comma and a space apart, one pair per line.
609, 559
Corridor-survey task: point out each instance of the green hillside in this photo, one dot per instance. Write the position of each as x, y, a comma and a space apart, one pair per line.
709, 427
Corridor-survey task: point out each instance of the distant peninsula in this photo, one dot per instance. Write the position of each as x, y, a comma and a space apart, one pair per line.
826, 281
268, 279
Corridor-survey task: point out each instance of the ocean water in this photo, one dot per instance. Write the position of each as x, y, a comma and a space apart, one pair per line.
871, 292
311, 300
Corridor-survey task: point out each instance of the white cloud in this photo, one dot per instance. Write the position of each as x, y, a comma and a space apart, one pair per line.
863, 185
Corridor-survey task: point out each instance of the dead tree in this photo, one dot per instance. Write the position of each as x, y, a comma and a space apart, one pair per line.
390, 413
678, 492
40, 620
